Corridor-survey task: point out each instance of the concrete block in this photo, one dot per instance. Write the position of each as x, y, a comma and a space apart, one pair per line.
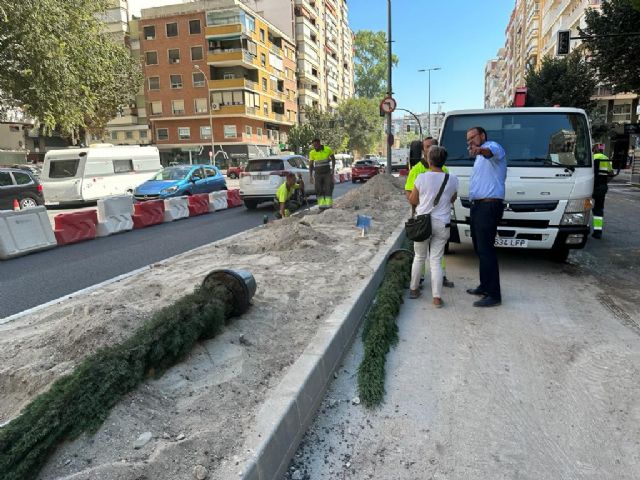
114, 215
25, 231
176, 208
217, 201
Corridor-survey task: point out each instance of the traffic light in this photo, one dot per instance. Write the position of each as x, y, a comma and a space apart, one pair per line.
564, 40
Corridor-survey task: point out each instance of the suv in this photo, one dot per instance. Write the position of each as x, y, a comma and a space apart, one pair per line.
21, 185
262, 177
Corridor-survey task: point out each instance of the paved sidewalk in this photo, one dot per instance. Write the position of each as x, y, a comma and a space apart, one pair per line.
547, 386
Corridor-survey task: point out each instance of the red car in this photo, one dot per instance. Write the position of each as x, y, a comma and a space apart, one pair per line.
234, 172
363, 170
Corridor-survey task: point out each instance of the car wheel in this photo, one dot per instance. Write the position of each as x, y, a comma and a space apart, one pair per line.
353, 180
28, 202
251, 204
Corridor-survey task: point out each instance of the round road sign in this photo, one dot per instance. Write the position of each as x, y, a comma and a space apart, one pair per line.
388, 105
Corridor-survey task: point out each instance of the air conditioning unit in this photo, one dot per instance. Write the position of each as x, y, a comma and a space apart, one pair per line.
215, 106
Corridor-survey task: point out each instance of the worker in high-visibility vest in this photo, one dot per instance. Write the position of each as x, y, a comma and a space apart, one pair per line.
288, 196
603, 171
322, 167
421, 167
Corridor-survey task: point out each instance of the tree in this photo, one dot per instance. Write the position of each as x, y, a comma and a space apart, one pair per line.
566, 81
300, 138
327, 127
60, 67
370, 64
615, 59
361, 119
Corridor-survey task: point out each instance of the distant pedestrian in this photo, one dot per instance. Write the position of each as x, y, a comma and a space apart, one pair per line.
424, 194
603, 171
486, 193
322, 167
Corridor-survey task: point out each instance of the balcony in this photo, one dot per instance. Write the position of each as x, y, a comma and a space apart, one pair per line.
232, 83
232, 56
224, 30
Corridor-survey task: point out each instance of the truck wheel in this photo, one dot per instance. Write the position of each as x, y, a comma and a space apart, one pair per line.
353, 180
251, 204
559, 254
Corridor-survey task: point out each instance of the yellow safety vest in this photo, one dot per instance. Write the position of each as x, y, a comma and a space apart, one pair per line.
321, 159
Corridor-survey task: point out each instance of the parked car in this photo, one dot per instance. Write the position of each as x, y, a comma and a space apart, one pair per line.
34, 169
262, 177
181, 180
21, 185
234, 172
363, 170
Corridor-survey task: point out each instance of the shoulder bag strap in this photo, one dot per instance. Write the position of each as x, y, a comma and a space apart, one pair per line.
444, 184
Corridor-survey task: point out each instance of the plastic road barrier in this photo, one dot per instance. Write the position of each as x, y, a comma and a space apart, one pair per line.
336, 178
342, 177
149, 213
75, 226
198, 204
176, 208
404, 172
233, 198
217, 200
114, 215
347, 176
25, 231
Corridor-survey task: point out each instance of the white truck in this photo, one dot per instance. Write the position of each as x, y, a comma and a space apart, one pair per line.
399, 159
549, 175
81, 175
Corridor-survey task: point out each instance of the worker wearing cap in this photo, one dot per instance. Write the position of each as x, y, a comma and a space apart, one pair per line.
285, 196
322, 166
603, 170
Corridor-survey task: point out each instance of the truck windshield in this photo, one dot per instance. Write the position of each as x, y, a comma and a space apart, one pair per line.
529, 139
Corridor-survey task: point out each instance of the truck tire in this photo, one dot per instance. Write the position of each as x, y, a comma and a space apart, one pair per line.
250, 204
559, 254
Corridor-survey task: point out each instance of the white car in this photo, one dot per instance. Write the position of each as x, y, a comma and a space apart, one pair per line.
262, 177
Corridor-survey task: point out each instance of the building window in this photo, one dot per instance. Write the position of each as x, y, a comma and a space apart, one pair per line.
114, 135
199, 79
263, 59
177, 107
154, 83
172, 29
194, 27
162, 133
156, 108
196, 53
262, 35
205, 133
230, 131
176, 81
265, 108
122, 166
248, 130
228, 76
259, 132
150, 32
174, 55
621, 112
151, 58
184, 133
200, 105
264, 84
128, 134
143, 134
249, 23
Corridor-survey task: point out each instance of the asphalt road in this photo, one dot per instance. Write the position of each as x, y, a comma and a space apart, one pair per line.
32, 280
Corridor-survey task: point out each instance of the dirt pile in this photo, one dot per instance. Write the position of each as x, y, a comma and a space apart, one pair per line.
375, 194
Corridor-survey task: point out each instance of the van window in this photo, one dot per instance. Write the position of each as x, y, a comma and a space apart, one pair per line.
63, 168
122, 166
529, 139
265, 165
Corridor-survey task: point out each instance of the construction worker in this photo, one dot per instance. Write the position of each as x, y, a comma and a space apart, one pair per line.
421, 167
288, 196
603, 170
322, 165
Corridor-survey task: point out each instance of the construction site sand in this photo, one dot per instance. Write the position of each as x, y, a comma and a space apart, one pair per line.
198, 411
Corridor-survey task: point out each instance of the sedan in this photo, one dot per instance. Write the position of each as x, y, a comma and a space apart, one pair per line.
363, 170
181, 180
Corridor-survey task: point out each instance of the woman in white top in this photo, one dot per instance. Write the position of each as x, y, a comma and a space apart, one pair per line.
423, 195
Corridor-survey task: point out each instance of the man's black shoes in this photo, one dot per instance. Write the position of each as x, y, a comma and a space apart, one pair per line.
487, 302
476, 291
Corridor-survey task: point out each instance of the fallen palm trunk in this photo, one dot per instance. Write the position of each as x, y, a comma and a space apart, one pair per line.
82, 400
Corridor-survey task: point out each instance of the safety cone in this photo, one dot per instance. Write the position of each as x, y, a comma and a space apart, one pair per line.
16, 205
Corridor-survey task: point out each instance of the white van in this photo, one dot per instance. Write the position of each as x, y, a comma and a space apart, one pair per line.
79, 175
549, 175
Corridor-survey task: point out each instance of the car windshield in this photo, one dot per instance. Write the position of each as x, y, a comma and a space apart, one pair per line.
172, 173
529, 139
265, 165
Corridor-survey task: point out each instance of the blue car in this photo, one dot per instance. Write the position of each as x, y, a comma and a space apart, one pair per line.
181, 180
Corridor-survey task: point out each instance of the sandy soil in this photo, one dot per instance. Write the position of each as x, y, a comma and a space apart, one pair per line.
198, 411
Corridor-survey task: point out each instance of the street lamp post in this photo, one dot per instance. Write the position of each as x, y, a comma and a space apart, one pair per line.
389, 88
212, 155
429, 70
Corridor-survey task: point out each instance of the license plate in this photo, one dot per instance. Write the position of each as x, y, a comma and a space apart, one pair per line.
260, 177
511, 242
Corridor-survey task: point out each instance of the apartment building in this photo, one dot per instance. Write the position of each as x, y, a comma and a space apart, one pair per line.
218, 77
324, 42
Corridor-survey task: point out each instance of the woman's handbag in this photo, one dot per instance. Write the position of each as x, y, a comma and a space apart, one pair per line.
418, 229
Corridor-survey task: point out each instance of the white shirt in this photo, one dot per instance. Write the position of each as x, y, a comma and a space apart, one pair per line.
428, 185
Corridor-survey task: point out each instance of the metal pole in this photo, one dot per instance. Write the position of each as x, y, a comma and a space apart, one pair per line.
429, 105
389, 88
213, 153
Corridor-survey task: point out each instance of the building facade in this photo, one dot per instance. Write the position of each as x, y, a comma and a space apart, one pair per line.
218, 78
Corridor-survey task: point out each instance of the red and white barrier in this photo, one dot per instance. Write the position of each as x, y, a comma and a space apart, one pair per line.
217, 200
25, 231
114, 215
149, 213
176, 208
342, 177
198, 204
233, 198
76, 226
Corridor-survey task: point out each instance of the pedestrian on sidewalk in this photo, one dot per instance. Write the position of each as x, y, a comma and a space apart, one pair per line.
422, 166
603, 173
428, 188
486, 193
322, 167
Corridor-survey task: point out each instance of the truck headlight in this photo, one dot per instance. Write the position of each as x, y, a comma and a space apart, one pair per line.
577, 212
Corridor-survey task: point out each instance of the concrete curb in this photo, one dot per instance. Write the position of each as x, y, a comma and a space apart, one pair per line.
285, 416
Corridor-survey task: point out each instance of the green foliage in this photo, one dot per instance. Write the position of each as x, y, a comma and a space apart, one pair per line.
407, 138
381, 332
636, 4
361, 119
370, 64
327, 126
566, 81
300, 138
81, 401
59, 66
615, 59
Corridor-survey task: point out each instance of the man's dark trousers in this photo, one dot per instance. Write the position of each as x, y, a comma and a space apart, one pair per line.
485, 216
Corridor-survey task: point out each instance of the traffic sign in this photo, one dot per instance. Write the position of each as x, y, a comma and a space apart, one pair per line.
388, 105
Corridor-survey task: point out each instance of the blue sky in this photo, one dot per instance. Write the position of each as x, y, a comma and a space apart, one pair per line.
457, 35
